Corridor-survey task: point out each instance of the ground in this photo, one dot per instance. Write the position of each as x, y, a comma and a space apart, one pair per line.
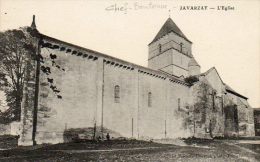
133, 150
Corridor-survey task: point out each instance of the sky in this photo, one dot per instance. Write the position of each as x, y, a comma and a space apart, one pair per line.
226, 39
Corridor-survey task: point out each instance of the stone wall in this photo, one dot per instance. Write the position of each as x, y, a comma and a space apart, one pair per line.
29, 100
257, 121
208, 115
244, 113
171, 59
77, 93
231, 115
152, 117
120, 110
178, 110
168, 41
12, 128
72, 103
5, 129
85, 93
133, 115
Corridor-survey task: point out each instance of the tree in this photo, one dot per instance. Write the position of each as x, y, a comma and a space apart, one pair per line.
191, 79
14, 48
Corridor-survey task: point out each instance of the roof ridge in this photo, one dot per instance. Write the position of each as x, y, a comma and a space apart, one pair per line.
168, 27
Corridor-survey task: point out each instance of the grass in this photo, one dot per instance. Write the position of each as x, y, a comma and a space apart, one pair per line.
8, 141
134, 150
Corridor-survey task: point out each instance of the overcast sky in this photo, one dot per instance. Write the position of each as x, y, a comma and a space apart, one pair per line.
228, 40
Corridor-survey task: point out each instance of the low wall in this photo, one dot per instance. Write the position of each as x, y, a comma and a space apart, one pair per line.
5, 129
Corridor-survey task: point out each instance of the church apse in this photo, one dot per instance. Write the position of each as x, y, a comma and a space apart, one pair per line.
208, 114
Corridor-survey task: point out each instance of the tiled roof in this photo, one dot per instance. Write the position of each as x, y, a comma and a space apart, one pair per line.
169, 26
230, 90
114, 58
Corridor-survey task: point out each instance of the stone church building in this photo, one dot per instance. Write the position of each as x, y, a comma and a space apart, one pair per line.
75, 90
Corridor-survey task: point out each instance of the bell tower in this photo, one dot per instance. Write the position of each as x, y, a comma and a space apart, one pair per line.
170, 51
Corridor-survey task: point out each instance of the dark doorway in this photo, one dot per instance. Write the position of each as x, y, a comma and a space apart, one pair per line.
257, 121
231, 120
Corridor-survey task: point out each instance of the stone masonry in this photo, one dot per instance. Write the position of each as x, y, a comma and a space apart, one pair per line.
75, 90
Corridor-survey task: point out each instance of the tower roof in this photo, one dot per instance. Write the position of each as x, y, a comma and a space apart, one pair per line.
169, 26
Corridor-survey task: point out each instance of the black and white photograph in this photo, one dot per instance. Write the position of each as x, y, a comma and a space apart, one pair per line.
130, 80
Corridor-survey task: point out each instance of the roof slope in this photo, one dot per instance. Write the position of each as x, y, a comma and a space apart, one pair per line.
193, 62
169, 26
230, 90
208, 71
114, 58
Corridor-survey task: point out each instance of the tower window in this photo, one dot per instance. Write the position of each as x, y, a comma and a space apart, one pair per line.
149, 99
117, 94
160, 48
181, 46
179, 104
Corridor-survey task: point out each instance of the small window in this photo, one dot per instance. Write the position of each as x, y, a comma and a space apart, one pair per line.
117, 94
181, 46
258, 119
149, 99
222, 104
213, 102
179, 104
160, 48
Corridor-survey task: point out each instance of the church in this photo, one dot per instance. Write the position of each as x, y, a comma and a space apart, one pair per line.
75, 92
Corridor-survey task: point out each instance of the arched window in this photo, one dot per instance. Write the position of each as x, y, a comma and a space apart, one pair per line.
222, 104
181, 46
179, 104
213, 100
117, 94
160, 48
149, 99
